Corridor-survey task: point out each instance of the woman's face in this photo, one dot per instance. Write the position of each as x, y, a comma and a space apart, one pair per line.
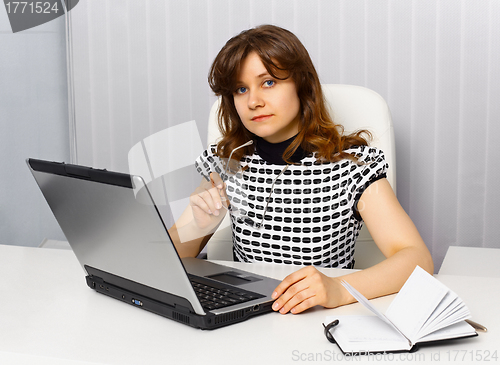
267, 107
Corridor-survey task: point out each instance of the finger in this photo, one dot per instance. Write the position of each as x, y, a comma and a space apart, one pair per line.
204, 199
216, 180
224, 198
288, 294
312, 294
315, 294
215, 198
299, 296
290, 280
196, 201
302, 306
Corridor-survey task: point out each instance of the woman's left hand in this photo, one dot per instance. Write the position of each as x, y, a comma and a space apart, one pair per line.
304, 289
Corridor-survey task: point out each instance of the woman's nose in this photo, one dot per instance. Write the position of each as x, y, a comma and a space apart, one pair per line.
255, 100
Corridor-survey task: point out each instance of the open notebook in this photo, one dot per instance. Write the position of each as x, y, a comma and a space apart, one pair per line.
424, 311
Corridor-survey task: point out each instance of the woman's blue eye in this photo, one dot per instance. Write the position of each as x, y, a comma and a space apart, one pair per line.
241, 90
269, 83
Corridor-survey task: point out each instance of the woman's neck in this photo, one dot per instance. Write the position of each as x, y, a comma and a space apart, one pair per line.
273, 152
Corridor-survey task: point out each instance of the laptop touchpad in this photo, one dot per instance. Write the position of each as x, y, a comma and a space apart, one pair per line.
233, 278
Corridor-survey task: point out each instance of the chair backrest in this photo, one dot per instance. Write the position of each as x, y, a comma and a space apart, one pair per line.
354, 107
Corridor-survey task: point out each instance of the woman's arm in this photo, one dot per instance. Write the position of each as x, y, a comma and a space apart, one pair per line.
201, 218
395, 235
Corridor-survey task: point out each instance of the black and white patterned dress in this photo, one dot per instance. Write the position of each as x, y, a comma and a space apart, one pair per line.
311, 218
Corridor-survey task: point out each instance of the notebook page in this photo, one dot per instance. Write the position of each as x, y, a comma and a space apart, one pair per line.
362, 299
459, 329
447, 305
366, 333
415, 302
455, 312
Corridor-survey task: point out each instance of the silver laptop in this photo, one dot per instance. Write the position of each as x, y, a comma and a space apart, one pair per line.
120, 239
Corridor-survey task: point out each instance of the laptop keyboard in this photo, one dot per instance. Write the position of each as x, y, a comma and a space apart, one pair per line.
212, 297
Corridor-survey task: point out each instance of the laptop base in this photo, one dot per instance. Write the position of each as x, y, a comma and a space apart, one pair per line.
178, 313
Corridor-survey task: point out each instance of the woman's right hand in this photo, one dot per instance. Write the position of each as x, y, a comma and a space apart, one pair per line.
209, 201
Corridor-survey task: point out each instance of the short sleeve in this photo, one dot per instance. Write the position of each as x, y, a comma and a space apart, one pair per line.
208, 162
371, 167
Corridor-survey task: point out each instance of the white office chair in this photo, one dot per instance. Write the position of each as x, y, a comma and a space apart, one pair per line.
355, 108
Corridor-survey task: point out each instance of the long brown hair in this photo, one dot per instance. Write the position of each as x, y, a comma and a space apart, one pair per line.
281, 52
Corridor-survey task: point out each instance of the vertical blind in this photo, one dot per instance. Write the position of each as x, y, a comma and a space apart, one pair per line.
140, 66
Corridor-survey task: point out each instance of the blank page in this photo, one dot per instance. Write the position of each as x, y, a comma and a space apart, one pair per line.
415, 302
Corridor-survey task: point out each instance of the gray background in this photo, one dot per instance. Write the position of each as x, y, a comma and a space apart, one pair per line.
33, 123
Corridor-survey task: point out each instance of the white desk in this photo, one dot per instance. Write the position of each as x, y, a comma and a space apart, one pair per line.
478, 261
49, 316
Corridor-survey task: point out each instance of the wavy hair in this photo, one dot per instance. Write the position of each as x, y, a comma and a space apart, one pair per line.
282, 53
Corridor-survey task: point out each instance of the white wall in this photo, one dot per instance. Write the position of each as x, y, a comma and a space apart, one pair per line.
33, 123
141, 66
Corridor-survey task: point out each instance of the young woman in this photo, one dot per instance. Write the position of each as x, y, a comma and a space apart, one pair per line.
298, 190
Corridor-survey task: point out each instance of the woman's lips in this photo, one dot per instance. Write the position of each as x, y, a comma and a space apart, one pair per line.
261, 118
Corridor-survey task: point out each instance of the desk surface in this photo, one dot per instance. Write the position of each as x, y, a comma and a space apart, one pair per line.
476, 261
49, 316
